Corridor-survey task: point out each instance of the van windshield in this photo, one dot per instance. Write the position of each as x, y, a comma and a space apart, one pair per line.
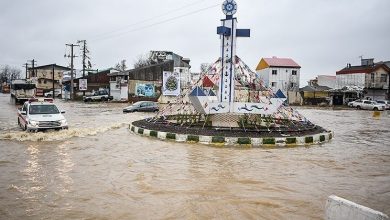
43, 109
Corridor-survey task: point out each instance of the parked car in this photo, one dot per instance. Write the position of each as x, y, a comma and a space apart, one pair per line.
370, 105
98, 96
385, 102
38, 115
142, 106
57, 93
355, 103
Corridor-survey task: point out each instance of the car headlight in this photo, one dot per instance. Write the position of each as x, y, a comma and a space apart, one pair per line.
33, 123
63, 122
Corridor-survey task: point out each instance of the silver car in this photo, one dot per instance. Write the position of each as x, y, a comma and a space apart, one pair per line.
371, 105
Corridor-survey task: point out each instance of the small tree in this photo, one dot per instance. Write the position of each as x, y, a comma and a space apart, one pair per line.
8, 73
142, 60
121, 66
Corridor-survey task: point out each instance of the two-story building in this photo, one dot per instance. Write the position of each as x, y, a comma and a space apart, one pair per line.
279, 74
369, 77
47, 76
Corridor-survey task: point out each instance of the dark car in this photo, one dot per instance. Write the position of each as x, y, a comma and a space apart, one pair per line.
142, 106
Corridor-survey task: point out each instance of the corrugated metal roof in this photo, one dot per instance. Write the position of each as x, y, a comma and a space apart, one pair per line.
281, 62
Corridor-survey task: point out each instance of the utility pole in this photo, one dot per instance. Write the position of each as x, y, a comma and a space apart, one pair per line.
26, 65
71, 67
53, 80
32, 68
84, 56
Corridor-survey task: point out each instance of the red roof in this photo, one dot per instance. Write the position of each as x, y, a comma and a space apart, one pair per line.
362, 69
281, 62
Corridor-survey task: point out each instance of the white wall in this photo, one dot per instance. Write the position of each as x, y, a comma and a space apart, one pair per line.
352, 79
326, 81
283, 78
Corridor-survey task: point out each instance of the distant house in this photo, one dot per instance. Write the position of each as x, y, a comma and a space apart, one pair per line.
279, 74
369, 77
47, 76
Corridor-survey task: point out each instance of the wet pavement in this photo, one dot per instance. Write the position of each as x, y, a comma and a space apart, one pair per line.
99, 170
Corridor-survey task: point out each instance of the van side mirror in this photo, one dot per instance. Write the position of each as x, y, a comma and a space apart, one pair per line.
23, 112
62, 111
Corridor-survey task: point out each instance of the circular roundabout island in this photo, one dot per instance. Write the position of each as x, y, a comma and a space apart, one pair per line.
232, 105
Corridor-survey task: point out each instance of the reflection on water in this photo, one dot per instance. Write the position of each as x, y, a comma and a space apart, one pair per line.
99, 170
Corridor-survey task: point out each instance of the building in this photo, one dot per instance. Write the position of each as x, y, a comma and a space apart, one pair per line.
47, 76
324, 80
119, 86
279, 74
180, 65
96, 80
315, 94
145, 82
369, 77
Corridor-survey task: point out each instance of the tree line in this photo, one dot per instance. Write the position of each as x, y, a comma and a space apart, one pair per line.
9, 73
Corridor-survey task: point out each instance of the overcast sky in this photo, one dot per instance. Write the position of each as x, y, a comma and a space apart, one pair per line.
320, 35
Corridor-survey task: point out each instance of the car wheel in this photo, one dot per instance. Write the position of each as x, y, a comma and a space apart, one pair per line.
103, 99
156, 110
48, 95
19, 122
358, 107
24, 128
375, 109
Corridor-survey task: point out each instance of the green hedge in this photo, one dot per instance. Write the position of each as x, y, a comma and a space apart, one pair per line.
171, 136
140, 131
291, 140
322, 138
269, 141
193, 138
309, 139
244, 141
330, 136
153, 133
132, 129
218, 139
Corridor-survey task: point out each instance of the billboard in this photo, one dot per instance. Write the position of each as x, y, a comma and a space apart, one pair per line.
83, 84
171, 83
146, 90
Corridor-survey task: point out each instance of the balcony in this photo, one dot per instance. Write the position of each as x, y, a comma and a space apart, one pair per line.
377, 84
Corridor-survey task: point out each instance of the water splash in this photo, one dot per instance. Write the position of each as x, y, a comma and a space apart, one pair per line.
58, 135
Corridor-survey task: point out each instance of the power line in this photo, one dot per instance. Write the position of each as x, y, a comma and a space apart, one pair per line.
157, 23
146, 20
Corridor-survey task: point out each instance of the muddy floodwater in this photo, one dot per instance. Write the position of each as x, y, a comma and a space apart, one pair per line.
99, 170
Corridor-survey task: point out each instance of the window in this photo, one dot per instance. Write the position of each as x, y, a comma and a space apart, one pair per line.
383, 77
292, 85
274, 72
273, 84
372, 76
294, 73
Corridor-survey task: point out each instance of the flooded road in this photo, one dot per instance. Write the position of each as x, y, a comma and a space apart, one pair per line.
99, 170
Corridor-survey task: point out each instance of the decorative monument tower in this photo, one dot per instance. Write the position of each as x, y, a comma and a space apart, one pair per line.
229, 33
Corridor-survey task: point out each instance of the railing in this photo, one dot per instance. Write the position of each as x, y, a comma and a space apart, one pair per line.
376, 85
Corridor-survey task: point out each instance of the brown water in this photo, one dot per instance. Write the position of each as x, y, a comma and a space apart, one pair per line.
99, 170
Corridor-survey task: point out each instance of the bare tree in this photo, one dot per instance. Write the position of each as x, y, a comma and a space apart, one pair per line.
121, 66
142, 60
8, 73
